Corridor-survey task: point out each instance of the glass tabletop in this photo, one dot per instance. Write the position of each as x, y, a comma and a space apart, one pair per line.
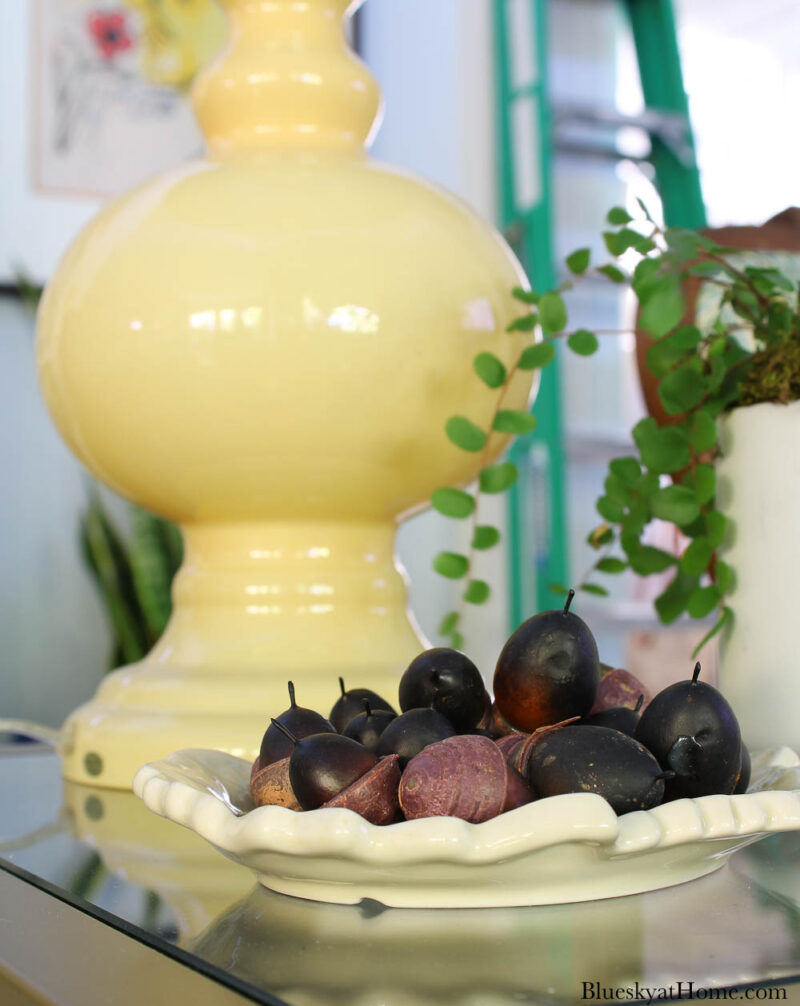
103, 850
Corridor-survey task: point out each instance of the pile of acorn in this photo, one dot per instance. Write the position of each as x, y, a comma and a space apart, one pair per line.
560, 723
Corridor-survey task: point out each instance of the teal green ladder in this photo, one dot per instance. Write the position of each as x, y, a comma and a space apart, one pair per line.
537, 546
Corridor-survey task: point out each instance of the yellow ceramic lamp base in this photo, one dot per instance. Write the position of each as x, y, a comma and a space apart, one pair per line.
265, 347
255, 607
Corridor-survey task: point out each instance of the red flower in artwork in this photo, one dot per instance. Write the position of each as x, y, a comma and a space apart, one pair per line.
110, 33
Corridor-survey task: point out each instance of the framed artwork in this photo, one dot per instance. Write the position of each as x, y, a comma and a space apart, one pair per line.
101, 103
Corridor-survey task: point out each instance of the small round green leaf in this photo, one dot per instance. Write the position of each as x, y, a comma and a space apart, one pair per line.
627, 470
682, 388
677, 504
724, 574
618, 216
648, 560
552, 312
538, 355
453, 502
594, 588
703, 434
525, 323
557, 588
717, 524
498, 478
449, 623
485, 536
697, 556
672, 602
490, 369
451, 564
612, 272
477, 592
611, 565
610, 510
526, 296
514, 421
465, 434
578, 261
702, 601
705, 483
583, 342
662, 448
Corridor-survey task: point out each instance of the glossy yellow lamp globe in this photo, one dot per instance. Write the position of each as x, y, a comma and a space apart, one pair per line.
265, 346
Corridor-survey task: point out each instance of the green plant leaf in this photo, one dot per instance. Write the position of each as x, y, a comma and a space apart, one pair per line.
663, 308
552, 313
449, 623
558, 588
663, 449
648, 560
683, 388
600, 536
538, 355
628, 470
610, 565
490, 369
717, 525
453, 502
705, 483
498, 478
526, 296
677, 504
617, 490
583, 342
610, 510
612, 272
673, 348
722, 621
457, 641
618, 242
485, 536
477, 592
514, 421
702, 601
525, 323
451, 564
594, 588
703, 433
725, 576
617, 216
671, 604
697, 556
647, 485
465, 434
578, 261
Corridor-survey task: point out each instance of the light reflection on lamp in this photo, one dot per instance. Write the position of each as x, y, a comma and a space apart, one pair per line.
352, 318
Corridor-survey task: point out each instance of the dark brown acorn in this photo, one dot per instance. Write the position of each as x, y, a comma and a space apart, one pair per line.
412, 731
621, 718
367, 727
299, 721
351, 703
447, 681
322, 765
581, 759
692, 730
547, 671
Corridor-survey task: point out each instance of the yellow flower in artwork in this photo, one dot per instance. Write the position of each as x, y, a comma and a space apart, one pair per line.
178, 38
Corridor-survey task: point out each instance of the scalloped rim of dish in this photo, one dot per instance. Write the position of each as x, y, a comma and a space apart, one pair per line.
571, 818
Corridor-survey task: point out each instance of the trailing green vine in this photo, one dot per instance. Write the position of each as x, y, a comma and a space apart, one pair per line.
670, 476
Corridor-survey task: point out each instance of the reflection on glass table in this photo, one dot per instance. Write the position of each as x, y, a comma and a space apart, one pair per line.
737, 927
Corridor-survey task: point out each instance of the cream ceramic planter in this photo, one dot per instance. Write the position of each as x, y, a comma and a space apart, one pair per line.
264, 346
758, 488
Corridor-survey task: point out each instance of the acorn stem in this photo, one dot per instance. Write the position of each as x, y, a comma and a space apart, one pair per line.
667, 774
696, 673
284, 730
292, 701
367, 709
570, 595
639, 703
341, 685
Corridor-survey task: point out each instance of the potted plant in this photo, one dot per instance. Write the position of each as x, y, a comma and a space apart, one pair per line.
720, 465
